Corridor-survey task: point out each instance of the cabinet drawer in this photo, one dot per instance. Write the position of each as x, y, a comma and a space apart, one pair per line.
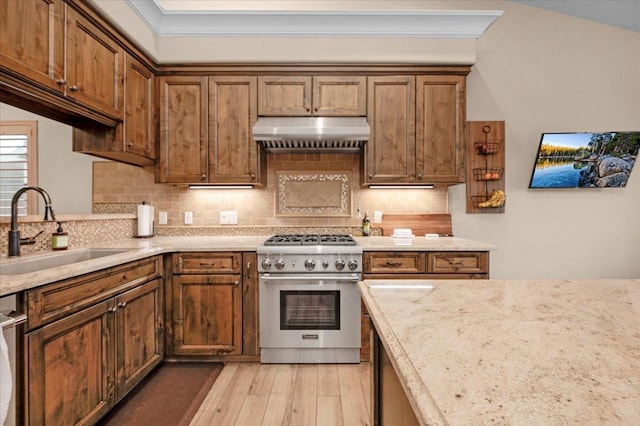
394, 262
458, 262
54, 301
207, 263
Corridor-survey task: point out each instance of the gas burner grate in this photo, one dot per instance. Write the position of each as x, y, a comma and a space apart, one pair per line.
310, 239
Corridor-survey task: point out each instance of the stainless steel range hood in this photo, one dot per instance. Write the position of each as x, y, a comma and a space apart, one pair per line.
308, 134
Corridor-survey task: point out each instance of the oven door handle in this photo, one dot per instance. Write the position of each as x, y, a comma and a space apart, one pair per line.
323, 278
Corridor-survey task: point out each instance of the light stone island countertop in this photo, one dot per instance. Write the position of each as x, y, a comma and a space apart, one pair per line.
487, 352
140, 248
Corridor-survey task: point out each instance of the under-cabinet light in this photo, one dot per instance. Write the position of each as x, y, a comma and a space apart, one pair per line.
220, 187
401, 186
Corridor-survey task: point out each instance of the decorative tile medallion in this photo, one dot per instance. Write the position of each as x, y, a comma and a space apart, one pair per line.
311, 193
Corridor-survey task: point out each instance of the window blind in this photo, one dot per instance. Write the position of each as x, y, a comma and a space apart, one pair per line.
17, 157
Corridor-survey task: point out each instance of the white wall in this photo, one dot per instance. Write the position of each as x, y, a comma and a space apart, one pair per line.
64, 174
544, 72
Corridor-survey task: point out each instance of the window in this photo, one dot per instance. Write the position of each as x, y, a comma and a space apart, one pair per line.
18, 165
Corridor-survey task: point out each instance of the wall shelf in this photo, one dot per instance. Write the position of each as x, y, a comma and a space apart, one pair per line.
485, 166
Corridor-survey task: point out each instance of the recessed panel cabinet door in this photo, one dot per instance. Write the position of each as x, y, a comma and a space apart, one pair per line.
182, 157
207, 314
71, 378
440, 129
95, 74
32, 40
139, 128
233, 153
140, 334
390, 152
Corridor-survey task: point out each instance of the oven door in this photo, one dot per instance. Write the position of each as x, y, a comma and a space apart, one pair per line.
309, 311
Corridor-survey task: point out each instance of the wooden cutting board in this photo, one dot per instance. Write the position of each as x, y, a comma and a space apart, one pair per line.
420, 224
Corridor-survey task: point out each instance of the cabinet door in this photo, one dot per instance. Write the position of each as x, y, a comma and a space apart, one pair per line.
32, 41
440, 132
95, 66
389, 156
70, 377
139, 128
290, 95
207, 314
340, 96
234, 156
140, 334
183, 130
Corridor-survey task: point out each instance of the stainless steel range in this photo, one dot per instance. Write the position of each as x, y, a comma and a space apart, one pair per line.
309, 301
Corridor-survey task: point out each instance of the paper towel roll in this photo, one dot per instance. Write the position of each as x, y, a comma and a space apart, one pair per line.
6, 381
145, 220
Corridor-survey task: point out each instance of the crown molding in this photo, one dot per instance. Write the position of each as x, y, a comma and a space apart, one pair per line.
315, 23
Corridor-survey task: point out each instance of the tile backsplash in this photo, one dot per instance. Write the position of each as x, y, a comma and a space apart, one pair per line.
118, 188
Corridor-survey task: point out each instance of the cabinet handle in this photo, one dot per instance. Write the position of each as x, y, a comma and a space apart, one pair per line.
74, 88
394, 264
61, 82
249, 270
455, 263
112, 309
212, 264
122, 304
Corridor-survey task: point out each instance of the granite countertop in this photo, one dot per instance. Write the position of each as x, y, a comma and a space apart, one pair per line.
140, 248
513, 352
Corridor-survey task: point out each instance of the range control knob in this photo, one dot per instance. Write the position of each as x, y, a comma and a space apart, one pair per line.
266, 264
353, 264
325, 264
309, 264
279, 263
339, 264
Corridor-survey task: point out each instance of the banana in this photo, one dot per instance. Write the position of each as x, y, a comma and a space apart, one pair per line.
496, 199
500, 199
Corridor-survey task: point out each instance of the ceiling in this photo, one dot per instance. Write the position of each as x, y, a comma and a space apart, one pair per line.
620, 13
166, 14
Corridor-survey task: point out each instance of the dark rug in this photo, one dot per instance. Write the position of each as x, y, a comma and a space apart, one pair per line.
170, 395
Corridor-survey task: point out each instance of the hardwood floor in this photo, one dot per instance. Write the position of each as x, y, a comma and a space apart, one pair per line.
288, 394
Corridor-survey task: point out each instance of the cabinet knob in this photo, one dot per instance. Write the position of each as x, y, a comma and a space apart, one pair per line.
236, 283
371, 176
252, 176
420, 176
122, 304
112, 310
203, 177
61, 82
74, 88
130, 144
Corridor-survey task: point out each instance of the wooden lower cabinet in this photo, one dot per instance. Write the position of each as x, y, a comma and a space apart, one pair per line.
213, 306
79, 366
207, 315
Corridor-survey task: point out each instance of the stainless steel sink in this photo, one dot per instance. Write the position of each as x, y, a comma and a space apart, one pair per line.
54, 260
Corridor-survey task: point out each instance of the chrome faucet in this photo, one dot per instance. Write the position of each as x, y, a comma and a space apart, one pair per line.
14, 234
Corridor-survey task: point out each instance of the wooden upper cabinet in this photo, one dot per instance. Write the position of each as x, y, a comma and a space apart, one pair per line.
32, 40
234, 156
340, 95
182, 157
95, 66
307, 95
139, 109
440, 129
389, 156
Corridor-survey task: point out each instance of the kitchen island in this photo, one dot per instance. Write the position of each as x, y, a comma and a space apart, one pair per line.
508, 352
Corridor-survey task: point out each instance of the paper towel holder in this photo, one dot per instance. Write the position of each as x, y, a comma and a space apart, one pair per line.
145, 220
